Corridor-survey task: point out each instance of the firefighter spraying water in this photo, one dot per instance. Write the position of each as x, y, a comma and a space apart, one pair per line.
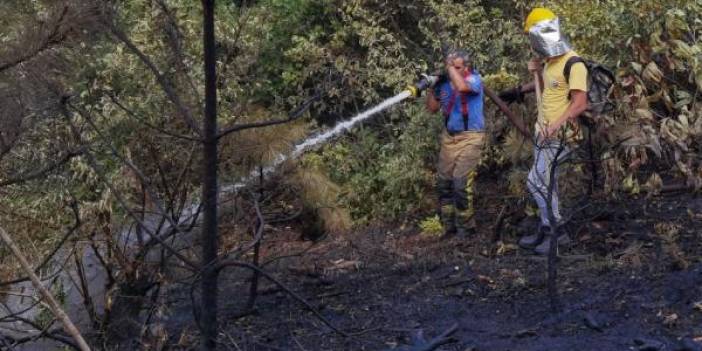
427, 81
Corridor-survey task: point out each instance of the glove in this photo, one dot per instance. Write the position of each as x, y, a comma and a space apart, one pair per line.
443, 78
426, 82
512, 95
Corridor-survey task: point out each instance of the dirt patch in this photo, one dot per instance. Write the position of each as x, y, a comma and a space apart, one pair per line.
633, 280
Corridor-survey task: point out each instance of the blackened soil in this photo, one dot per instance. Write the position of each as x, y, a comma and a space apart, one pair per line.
632, 281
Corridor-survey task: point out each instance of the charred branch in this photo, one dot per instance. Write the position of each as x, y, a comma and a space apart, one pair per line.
93, 163
293, 115
48, 297
139, 119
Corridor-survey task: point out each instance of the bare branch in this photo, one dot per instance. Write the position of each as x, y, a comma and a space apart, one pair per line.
41, 172
143, 121
174, 40
53, 304
51, 39
45, 332
58, 246
70, 20
93, 163
258, 234
167, 87
293, 115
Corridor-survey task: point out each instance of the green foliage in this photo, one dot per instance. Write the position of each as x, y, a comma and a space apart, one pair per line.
661, 64
431, 226
367, 51
275, 54
386, 172
364, 51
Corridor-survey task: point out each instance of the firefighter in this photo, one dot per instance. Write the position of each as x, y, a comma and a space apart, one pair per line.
563, 99
459, 97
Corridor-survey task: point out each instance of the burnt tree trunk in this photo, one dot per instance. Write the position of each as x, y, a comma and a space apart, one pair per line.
209, 239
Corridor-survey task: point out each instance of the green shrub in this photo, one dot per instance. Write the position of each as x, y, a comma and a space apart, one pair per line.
386, 172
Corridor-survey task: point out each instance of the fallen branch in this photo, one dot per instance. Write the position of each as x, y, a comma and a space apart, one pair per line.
456, 282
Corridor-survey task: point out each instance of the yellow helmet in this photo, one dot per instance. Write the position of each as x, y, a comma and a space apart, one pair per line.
537, 15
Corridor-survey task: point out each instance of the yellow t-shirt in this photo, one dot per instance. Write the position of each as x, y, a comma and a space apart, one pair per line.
554, 98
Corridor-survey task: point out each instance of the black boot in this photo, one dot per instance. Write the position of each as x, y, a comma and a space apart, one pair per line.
448, 220
533, 240
545, 246
465, 211
447, 211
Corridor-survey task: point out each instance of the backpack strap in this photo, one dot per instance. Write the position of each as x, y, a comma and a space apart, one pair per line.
449, 108
464, 110
569, 64
464, 106
464, 103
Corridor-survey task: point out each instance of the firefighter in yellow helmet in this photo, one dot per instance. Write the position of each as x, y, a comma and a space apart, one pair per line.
563, 99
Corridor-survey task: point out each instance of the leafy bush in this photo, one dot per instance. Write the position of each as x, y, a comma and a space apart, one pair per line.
386, 173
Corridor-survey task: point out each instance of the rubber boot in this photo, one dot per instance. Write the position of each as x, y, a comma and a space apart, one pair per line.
447, 212
533, 240
448, 220
465, 211
465, 223
545, 246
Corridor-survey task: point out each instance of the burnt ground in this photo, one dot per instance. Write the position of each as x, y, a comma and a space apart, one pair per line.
632, 281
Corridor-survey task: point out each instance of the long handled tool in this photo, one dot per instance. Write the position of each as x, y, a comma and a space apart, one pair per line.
537, 88
518, 122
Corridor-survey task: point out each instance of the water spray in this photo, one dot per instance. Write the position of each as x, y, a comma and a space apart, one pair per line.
426, 81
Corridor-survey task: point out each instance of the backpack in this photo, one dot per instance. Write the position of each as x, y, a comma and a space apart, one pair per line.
600, 81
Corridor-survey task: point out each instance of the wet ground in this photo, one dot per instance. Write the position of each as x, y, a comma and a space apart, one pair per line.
632, 281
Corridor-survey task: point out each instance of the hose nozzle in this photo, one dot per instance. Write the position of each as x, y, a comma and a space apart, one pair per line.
427, 81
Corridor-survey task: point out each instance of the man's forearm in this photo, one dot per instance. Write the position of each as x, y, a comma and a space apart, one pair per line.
577, 106
432, 104
458, 80
528, 87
